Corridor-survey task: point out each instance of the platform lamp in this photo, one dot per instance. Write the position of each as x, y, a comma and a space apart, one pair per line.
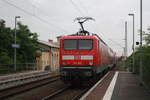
133, 58
15, 46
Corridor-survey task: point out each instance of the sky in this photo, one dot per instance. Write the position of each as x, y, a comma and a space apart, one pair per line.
52, 18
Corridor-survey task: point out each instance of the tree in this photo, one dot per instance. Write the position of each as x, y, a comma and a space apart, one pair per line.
5, 43
25, 38
143, 53
28, 44
147, 38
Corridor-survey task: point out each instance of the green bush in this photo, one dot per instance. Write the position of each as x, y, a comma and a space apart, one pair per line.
142, 55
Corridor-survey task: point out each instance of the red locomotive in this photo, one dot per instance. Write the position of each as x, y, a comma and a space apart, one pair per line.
84, 56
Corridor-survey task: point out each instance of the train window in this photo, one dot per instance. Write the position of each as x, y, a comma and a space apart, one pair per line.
85, 44
70, 44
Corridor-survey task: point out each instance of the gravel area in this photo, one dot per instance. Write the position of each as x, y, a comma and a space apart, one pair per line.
40, 92
69, 94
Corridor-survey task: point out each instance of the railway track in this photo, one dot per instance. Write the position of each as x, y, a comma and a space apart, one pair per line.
72, 93
13, 81
51, 88
26, 85
67, 93
39, 92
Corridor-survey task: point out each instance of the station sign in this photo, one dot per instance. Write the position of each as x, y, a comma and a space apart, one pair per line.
15, 46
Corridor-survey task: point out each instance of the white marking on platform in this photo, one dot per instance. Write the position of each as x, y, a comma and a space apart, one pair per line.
87, 93
110, 89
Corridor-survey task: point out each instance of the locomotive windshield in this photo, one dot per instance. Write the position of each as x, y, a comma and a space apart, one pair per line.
85, 44
77, 44
70, 44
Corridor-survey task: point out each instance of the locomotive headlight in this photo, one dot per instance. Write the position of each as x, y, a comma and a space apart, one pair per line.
63, 62
91, 63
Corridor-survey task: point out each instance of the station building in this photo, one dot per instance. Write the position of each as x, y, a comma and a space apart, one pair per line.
49, 55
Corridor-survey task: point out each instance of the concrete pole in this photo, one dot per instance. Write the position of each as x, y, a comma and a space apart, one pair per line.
15, 50
133, 44
141, 25
15, 43
126, 46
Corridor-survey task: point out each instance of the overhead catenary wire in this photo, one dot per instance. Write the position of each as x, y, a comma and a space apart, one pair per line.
31, 14
44, 12
76, 7
116, 43
106, 37
84, 8
33, 6
87, 12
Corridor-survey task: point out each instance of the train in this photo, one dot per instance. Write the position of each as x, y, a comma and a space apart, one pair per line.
84, 56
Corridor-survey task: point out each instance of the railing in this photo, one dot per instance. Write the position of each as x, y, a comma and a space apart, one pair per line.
9, 68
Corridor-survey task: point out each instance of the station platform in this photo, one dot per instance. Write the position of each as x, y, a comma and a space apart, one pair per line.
118, 86
4, 77
128, 87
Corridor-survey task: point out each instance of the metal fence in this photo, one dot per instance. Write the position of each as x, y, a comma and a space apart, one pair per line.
9, 68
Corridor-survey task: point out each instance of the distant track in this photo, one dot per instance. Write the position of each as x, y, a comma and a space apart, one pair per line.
51, 88
16, 80
5, 93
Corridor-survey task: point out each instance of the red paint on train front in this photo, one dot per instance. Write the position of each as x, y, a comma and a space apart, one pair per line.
83, 57
79, 57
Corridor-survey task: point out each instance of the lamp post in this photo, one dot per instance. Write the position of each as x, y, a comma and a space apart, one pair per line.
141, 25
126, 45
15, 45
131, 14
141, 22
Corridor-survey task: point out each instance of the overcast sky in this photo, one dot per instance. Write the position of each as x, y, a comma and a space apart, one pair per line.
51, 18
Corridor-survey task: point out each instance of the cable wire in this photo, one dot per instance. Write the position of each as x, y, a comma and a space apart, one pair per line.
42, 11
76, 7
31, 14
83, 7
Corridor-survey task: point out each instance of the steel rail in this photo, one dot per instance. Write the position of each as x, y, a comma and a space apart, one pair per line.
25, 87
8, 83
55, 93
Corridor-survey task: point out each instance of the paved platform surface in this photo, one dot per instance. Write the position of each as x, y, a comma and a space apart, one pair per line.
98, 90
127, 88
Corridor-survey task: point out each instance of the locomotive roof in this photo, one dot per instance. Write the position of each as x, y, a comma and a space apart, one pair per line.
83, 37
78, 37
86, 37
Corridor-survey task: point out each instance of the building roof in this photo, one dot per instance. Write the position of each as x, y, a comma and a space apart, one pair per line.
48, 43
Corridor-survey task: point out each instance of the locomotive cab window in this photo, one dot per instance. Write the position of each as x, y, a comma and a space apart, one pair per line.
85, 44
77, 44
70, 44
